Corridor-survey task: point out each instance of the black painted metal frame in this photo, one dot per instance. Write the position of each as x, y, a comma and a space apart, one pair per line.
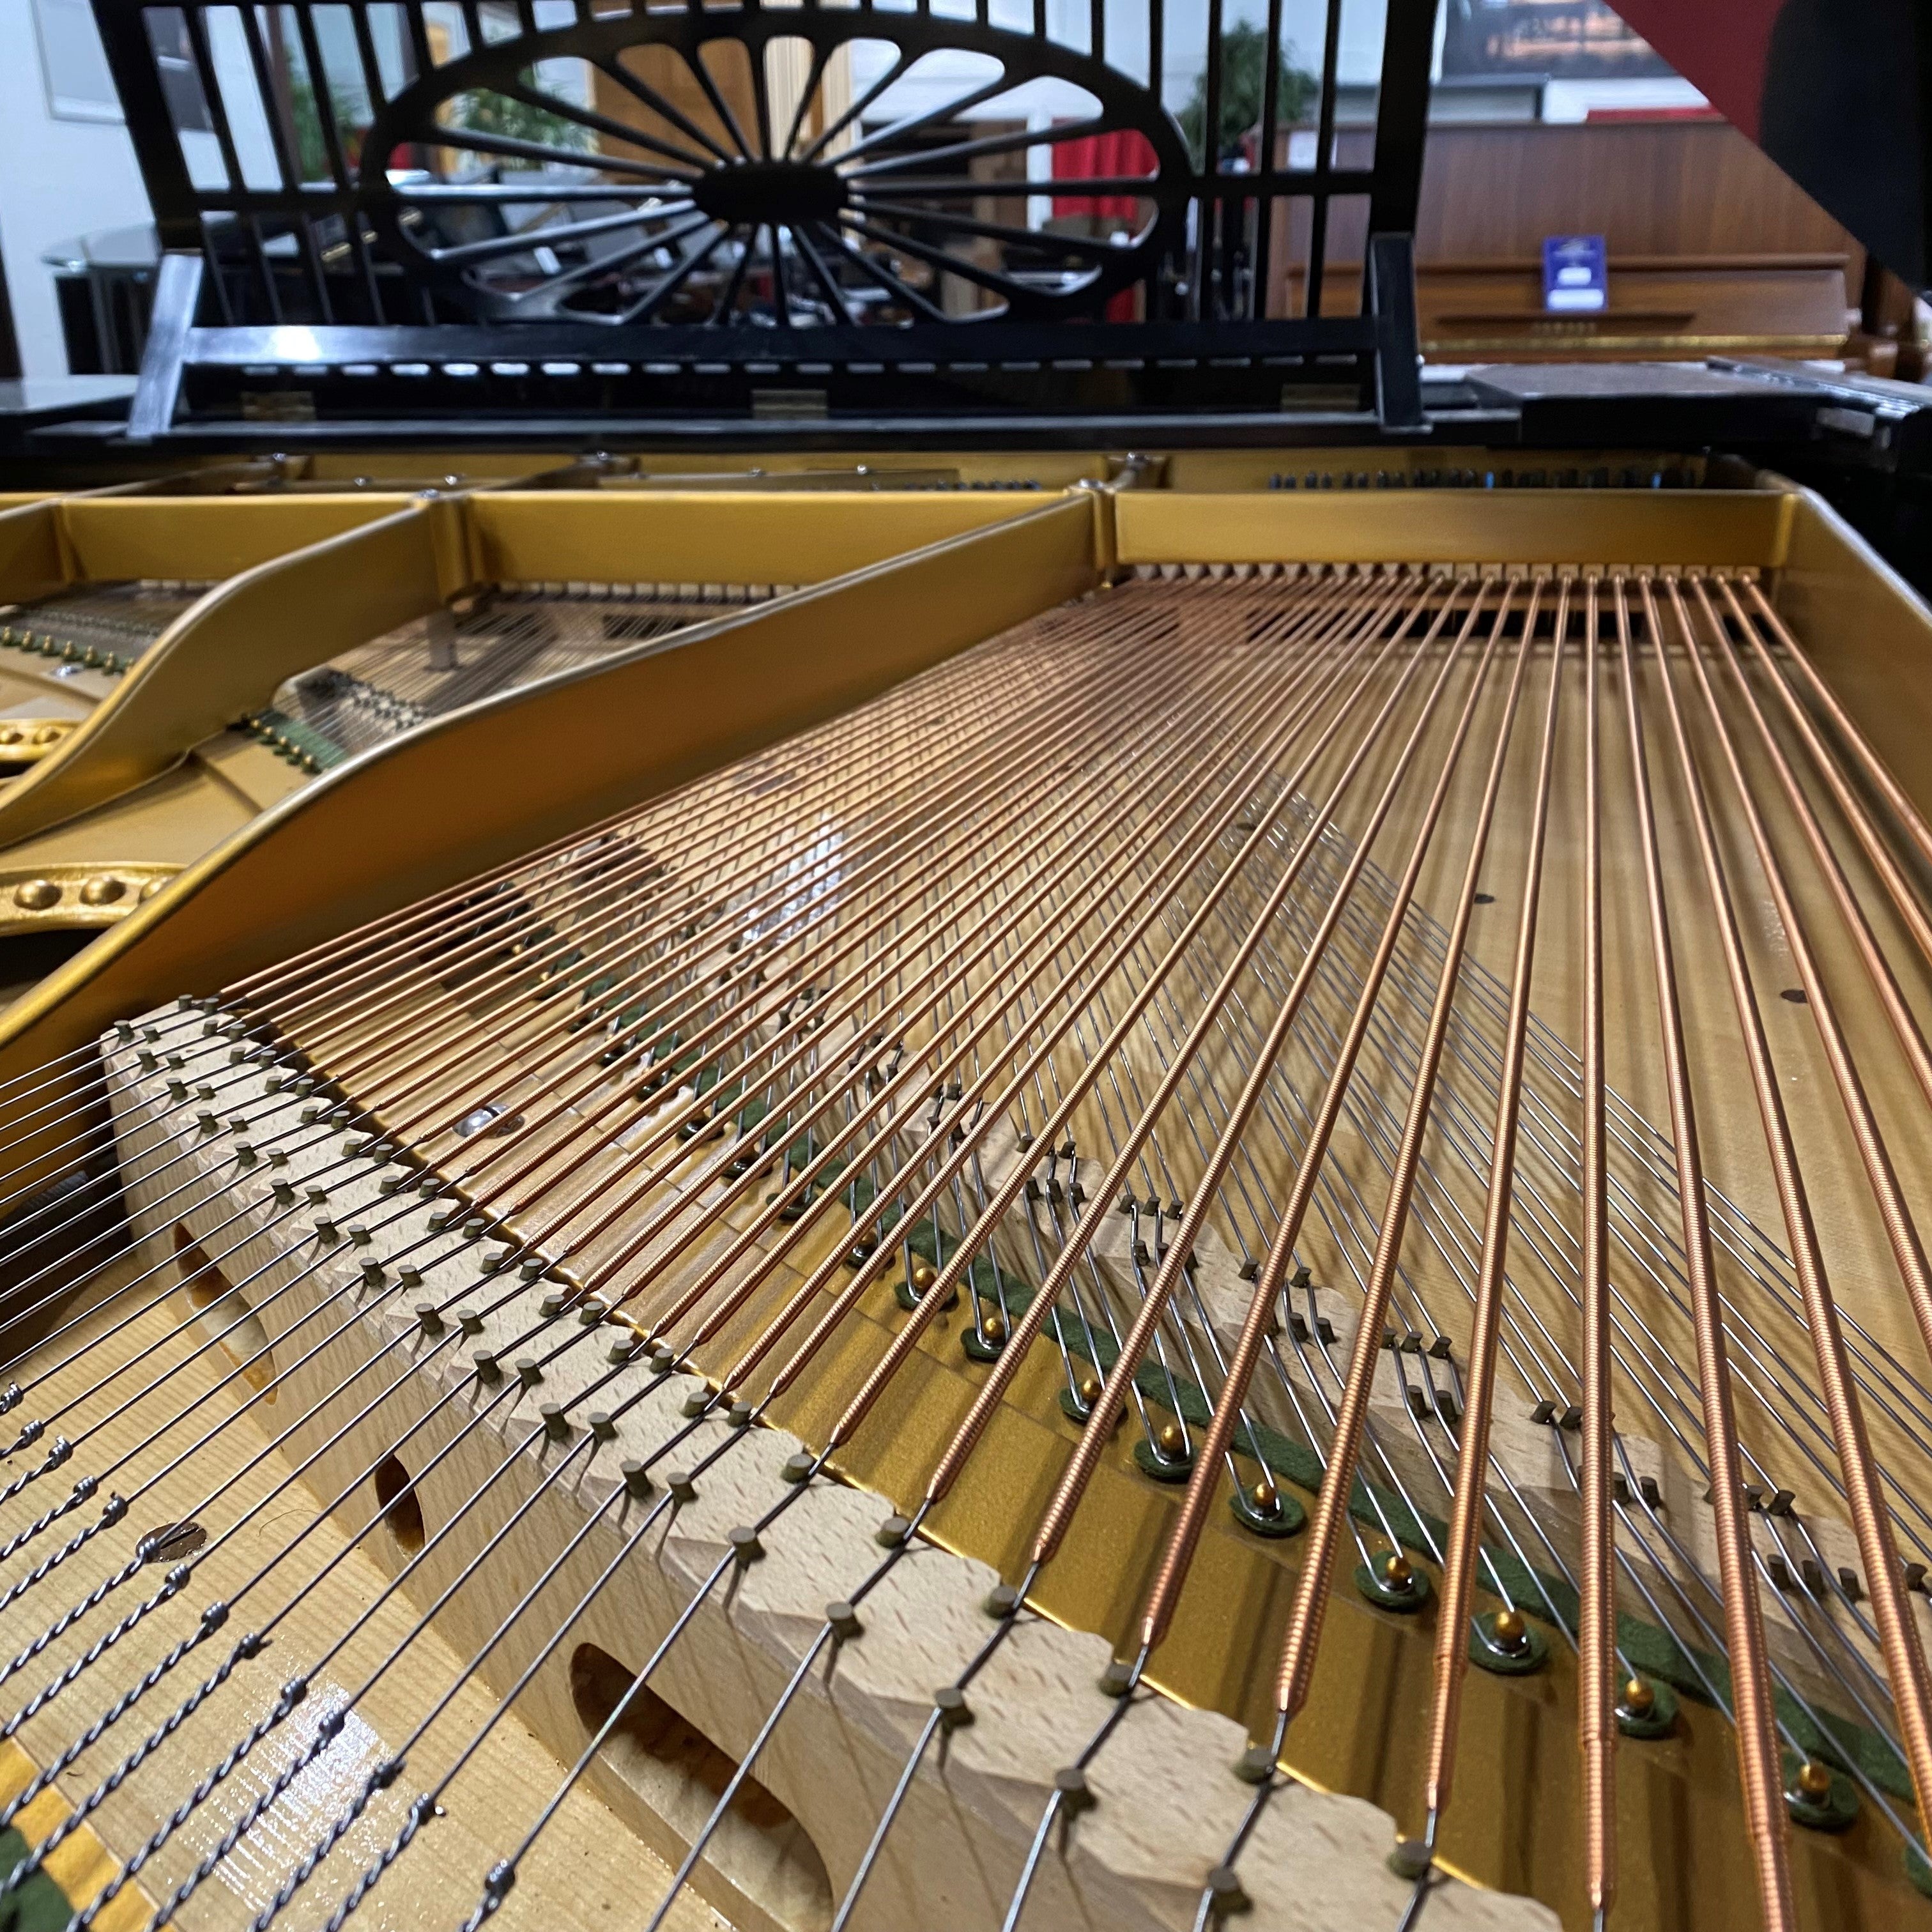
310, 301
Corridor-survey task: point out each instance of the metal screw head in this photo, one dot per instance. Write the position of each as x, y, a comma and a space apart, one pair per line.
171, 1542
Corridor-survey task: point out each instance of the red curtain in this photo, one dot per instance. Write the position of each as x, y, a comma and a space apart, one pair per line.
1125, 152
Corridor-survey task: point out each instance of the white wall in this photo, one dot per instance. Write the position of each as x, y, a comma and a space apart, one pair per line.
60, 177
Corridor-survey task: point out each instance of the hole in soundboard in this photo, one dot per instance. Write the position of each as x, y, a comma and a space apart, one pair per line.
226, 1318
396, 1493
761, 1852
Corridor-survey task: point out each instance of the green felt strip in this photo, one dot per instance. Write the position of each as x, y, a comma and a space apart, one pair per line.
1649, 1649
39, 1905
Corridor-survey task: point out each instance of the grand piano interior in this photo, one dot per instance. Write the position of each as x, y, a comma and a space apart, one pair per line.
883, 1050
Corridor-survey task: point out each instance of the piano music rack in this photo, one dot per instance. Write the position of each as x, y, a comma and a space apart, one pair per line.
731, 266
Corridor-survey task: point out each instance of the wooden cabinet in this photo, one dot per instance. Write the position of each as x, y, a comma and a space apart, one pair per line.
1712, 248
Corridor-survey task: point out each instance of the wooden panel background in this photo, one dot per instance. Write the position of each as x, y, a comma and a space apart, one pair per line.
1651, 187
1710, 244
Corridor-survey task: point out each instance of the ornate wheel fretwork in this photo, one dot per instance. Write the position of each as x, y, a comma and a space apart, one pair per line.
792, 167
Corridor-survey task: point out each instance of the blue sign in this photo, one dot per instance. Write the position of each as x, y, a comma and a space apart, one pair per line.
1576, 277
